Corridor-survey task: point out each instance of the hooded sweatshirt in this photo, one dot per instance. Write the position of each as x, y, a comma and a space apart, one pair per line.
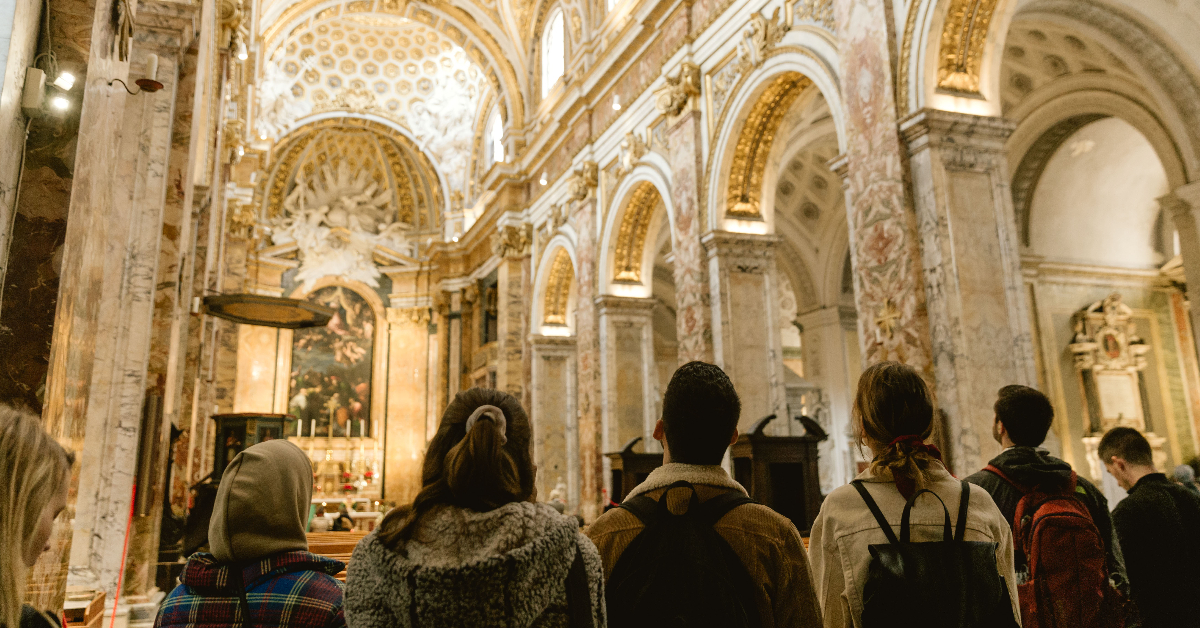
502, 568
1034, 466
258, 545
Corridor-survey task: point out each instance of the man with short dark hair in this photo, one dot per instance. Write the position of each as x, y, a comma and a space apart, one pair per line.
1023, 419
1159, 527
699, 421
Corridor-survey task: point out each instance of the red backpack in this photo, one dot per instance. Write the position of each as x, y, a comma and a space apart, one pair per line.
1068, 571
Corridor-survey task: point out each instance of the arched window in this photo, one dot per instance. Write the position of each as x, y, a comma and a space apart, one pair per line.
495, 136
554, 52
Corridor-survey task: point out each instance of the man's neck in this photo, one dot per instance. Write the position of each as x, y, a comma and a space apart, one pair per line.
1137, 473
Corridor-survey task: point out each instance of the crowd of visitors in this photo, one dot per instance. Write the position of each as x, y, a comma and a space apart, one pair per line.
1023, 542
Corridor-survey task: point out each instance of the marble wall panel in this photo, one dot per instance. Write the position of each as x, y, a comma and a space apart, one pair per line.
693, 318
553, 418
888, 285
513, 326
751, 346
629, 394
406, 430
590, 460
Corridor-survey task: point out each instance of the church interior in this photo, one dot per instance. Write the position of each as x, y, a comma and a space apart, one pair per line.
227, 221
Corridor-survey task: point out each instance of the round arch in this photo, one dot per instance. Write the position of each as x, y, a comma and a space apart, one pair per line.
554, 289
763, 98
635, 212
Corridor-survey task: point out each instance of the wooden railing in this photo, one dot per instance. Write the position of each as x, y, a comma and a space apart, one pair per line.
335, 545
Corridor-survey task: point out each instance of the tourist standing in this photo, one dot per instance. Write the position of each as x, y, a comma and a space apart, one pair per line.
1060, 510
34, 474
893, 410
688, 542
475, 548
1186, 477
260, 572
1158, 524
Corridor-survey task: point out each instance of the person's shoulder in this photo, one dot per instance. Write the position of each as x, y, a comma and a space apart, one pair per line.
612, 522
984, 478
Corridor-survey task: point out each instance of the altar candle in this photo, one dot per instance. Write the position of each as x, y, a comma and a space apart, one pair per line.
152, 67
312, 433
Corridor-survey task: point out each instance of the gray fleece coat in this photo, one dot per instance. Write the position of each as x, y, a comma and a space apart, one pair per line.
505, 568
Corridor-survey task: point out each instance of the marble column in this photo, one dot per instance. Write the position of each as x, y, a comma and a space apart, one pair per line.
94, 193
513, 314
1183, 205
406, 431
827, 364
888, 287
552, 410
978, 315
628, 375
172, 28
583, 214
743, 280
692, 314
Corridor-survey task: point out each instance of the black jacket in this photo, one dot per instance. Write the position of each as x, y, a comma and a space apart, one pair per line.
30, 618
1032, 466
1159, 527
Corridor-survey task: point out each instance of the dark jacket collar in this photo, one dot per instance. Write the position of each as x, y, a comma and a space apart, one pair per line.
1032, 466
1151, 478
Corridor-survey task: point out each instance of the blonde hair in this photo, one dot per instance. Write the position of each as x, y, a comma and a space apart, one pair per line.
893, 401
33, 468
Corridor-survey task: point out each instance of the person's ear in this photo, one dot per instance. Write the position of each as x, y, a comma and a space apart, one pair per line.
660, 430
734, 438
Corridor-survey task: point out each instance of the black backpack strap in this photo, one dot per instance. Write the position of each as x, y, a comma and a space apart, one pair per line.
712, 510
579, 596
947, 534
961, 528
236, 582
642, 507
883, 523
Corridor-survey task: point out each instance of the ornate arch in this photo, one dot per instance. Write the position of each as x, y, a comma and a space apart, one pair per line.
554, 286
558, 289
641, 204
744, 188
631, 238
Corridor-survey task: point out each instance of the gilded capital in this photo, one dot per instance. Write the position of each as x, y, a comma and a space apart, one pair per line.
672, 98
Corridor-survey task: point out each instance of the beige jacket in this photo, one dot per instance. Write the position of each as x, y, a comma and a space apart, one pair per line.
767, 542
845, 529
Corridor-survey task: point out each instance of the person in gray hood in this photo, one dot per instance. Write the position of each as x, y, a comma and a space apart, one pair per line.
474, 548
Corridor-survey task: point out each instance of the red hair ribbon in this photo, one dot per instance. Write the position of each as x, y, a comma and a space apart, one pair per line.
907, 486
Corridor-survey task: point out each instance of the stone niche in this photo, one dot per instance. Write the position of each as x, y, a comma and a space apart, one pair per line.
1110, 358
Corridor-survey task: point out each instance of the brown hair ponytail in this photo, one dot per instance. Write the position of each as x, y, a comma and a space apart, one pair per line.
482, 468
894, 409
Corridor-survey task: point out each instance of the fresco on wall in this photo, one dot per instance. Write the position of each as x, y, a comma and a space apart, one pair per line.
331, 367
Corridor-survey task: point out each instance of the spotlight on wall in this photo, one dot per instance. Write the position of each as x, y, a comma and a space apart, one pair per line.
60, 104
616, 103
241, 50
543, 180
241, 151
65, 81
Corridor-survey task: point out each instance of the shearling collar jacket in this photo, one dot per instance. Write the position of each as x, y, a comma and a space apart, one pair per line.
503, 568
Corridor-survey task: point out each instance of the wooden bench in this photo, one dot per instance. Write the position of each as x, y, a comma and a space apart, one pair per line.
335, 546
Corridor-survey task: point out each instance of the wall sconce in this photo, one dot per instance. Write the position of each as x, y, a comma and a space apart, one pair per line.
616, 103
543, 179
147, 84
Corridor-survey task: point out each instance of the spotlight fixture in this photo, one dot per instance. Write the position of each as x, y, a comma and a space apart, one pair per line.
60, 104
543, 180
616, 103
241, 50
65, 81
241, 151
262, 135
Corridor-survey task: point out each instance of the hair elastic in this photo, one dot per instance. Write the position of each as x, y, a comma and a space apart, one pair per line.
492, 413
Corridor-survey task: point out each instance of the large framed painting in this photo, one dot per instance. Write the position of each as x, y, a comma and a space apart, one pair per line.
330, 383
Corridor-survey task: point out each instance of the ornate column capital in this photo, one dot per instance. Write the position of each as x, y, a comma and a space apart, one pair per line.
169, 27
397, 316
608, 305
584, 181
513, 241
748, 252
967, 141
674, 97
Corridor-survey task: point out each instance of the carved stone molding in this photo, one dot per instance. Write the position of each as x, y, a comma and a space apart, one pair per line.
818, 11
741, 252
672, 98
512, 240
631, 238
632, 149
759, 36
584, 180
963, 141
754, 144
558, 289
407, 315
963, 37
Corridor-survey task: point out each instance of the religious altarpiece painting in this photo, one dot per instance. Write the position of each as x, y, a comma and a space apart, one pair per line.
330, 381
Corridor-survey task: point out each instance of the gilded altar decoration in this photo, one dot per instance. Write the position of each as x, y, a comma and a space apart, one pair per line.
963, 37
330, 380
679, 90
1110, 357
584, 180
758, 37
337, 220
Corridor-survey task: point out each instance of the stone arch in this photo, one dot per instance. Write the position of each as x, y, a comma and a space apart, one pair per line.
641, 209
395, 159
554, 290
739, 152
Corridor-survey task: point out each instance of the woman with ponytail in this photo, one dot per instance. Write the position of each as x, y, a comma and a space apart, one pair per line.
475, 548
34, 474
894, 417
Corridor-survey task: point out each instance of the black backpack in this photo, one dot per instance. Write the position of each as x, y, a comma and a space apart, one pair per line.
679, 572
950, 583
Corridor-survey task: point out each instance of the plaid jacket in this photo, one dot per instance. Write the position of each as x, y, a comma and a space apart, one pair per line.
294, 589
